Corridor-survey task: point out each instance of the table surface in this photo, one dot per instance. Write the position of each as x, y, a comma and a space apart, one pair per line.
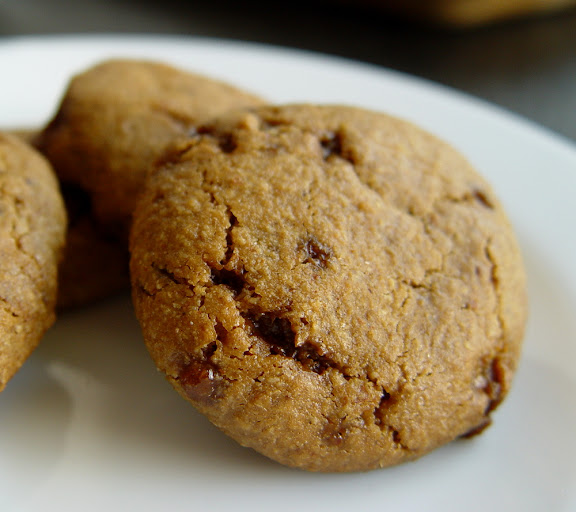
525, 66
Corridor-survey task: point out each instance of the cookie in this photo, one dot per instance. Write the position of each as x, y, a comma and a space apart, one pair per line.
117, 118
28, 135
333, 287
32, 232
94, 265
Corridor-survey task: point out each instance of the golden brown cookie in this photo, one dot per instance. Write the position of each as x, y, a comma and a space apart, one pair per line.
28, 135
95, 264
32, 232
117, 118
332, 287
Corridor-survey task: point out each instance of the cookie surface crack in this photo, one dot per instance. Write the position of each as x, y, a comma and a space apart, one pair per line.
170, 275
233, 222
397, 439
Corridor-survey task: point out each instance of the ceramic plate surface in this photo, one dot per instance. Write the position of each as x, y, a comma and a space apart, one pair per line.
88, 424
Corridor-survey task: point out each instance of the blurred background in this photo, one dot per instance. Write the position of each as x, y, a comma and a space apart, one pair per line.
519, 54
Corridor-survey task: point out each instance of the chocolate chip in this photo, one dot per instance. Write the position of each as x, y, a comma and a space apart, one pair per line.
278, 333
331, 144
493, 388
311, 360
317, 253
275, 331
202, 383
227, 143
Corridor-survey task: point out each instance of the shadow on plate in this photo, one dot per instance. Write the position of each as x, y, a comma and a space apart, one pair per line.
98, 387
35, 412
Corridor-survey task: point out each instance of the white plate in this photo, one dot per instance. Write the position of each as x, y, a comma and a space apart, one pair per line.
88, 424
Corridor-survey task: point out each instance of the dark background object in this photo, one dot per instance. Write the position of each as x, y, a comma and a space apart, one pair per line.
527, 66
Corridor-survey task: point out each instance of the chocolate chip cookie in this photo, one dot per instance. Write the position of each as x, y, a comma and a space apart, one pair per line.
333, 287
32, 232
95, 264
117, 118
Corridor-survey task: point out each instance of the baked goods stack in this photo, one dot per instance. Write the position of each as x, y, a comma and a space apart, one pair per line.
334, 287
